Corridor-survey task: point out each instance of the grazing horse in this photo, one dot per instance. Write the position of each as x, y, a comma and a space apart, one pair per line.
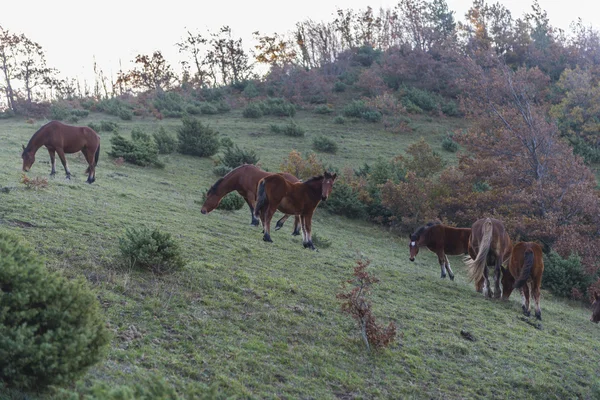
60, 138
526, 265
244, 179
442, 240
301, 198
489, 244
596, 308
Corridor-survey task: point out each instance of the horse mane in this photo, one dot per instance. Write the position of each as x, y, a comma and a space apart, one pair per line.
419, 231
27, 148
313, 179
214, 187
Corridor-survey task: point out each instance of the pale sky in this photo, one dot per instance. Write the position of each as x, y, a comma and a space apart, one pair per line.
72, 33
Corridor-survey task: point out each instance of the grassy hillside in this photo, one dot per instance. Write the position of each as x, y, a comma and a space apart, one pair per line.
260, 320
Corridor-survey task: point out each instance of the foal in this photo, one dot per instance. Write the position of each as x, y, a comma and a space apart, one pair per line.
301, 198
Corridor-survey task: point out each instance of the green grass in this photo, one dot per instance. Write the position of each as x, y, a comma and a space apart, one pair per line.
260, 320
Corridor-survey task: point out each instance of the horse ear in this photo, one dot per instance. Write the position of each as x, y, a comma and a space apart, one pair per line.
595, 296
23, 147
334, 176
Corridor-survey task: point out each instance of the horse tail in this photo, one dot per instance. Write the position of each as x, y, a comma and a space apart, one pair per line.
97, 155
261, 199
475, 268
528, 259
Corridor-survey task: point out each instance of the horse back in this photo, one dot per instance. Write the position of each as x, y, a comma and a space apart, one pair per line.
70, 138
518, 256
456, 240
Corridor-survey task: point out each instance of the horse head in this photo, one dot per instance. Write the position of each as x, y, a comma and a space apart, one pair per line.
212, 199
413, 246
596, 308
28, 159
327, 185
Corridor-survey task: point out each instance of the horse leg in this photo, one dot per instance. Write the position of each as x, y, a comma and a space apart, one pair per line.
267, 224
497, 271
442, 261
304, 232
281, 221
487, 292
254, 221
61, 154
535, 292
52, 161
308, 224
297, 224
91, 169
450, 273
525, 299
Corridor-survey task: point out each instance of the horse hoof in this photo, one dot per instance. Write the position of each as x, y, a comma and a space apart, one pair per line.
254, 223
267, 239
296, 233
443, 276
538, 316
451, 277
278, 226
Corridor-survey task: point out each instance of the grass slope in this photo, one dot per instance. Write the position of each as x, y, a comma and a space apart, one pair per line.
260, 320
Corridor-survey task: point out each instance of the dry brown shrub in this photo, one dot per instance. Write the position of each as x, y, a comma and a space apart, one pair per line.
35, 183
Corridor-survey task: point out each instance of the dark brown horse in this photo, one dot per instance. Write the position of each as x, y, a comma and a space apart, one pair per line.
527, 263
595, 308
301, 198
244, 179
442, 240
489, 244
64, 139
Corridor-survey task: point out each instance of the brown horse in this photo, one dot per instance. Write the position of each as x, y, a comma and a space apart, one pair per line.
489, 244
527, 263
596, 308
301, 198
442, 240
244, 179
60, 138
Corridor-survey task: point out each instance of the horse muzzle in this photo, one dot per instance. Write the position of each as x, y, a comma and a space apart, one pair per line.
412, 259
324, 198
203, 211
25, 169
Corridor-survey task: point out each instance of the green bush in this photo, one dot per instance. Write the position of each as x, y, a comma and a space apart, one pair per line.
51, 328
170, 104
278, 107
324, 144
231, 202
194, 110
94, 126
80, 113
339, 87
411, 107
562, 276
291, 129
233, 157
371, 116
358, 109
150, 249
140, 150
197, 139
253, 110
113, 106
449, 145
320, 241
108, 126
221, 170
72, 119
344, 201
209, 109
59, 112
339, 120
250, 91
126, 114
165, 142
324, 109
223, 107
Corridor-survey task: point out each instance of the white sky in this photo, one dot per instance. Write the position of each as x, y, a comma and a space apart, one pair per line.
72, 33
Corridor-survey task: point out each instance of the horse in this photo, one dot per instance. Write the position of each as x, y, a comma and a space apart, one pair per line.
596, 308
527, 263
244, 179
442, 240
300, 198
61, 138
489, 244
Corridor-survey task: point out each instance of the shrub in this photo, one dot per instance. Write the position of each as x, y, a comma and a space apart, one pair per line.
564, 276
166, 143
303, 169
108, 126
344, 201
72, 119
250, 91
51, 328
221, 170
324, 144
209, 109
339, 120
339, 87
170, 104
356, 304
140, 150
323, 109
233, 157
278, 107
194, 110
80, 113
320, 241
113, 106
358, 109
59, 112
231, 202
126, 114
253, 110
197, 139
35, 183
371, 116
150, 249
449, 145
223, 107
291, 129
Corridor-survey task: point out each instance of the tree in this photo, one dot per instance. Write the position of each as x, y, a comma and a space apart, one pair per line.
9, 43
196, 46
274, 50
153, 73
31, 68
228, 57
